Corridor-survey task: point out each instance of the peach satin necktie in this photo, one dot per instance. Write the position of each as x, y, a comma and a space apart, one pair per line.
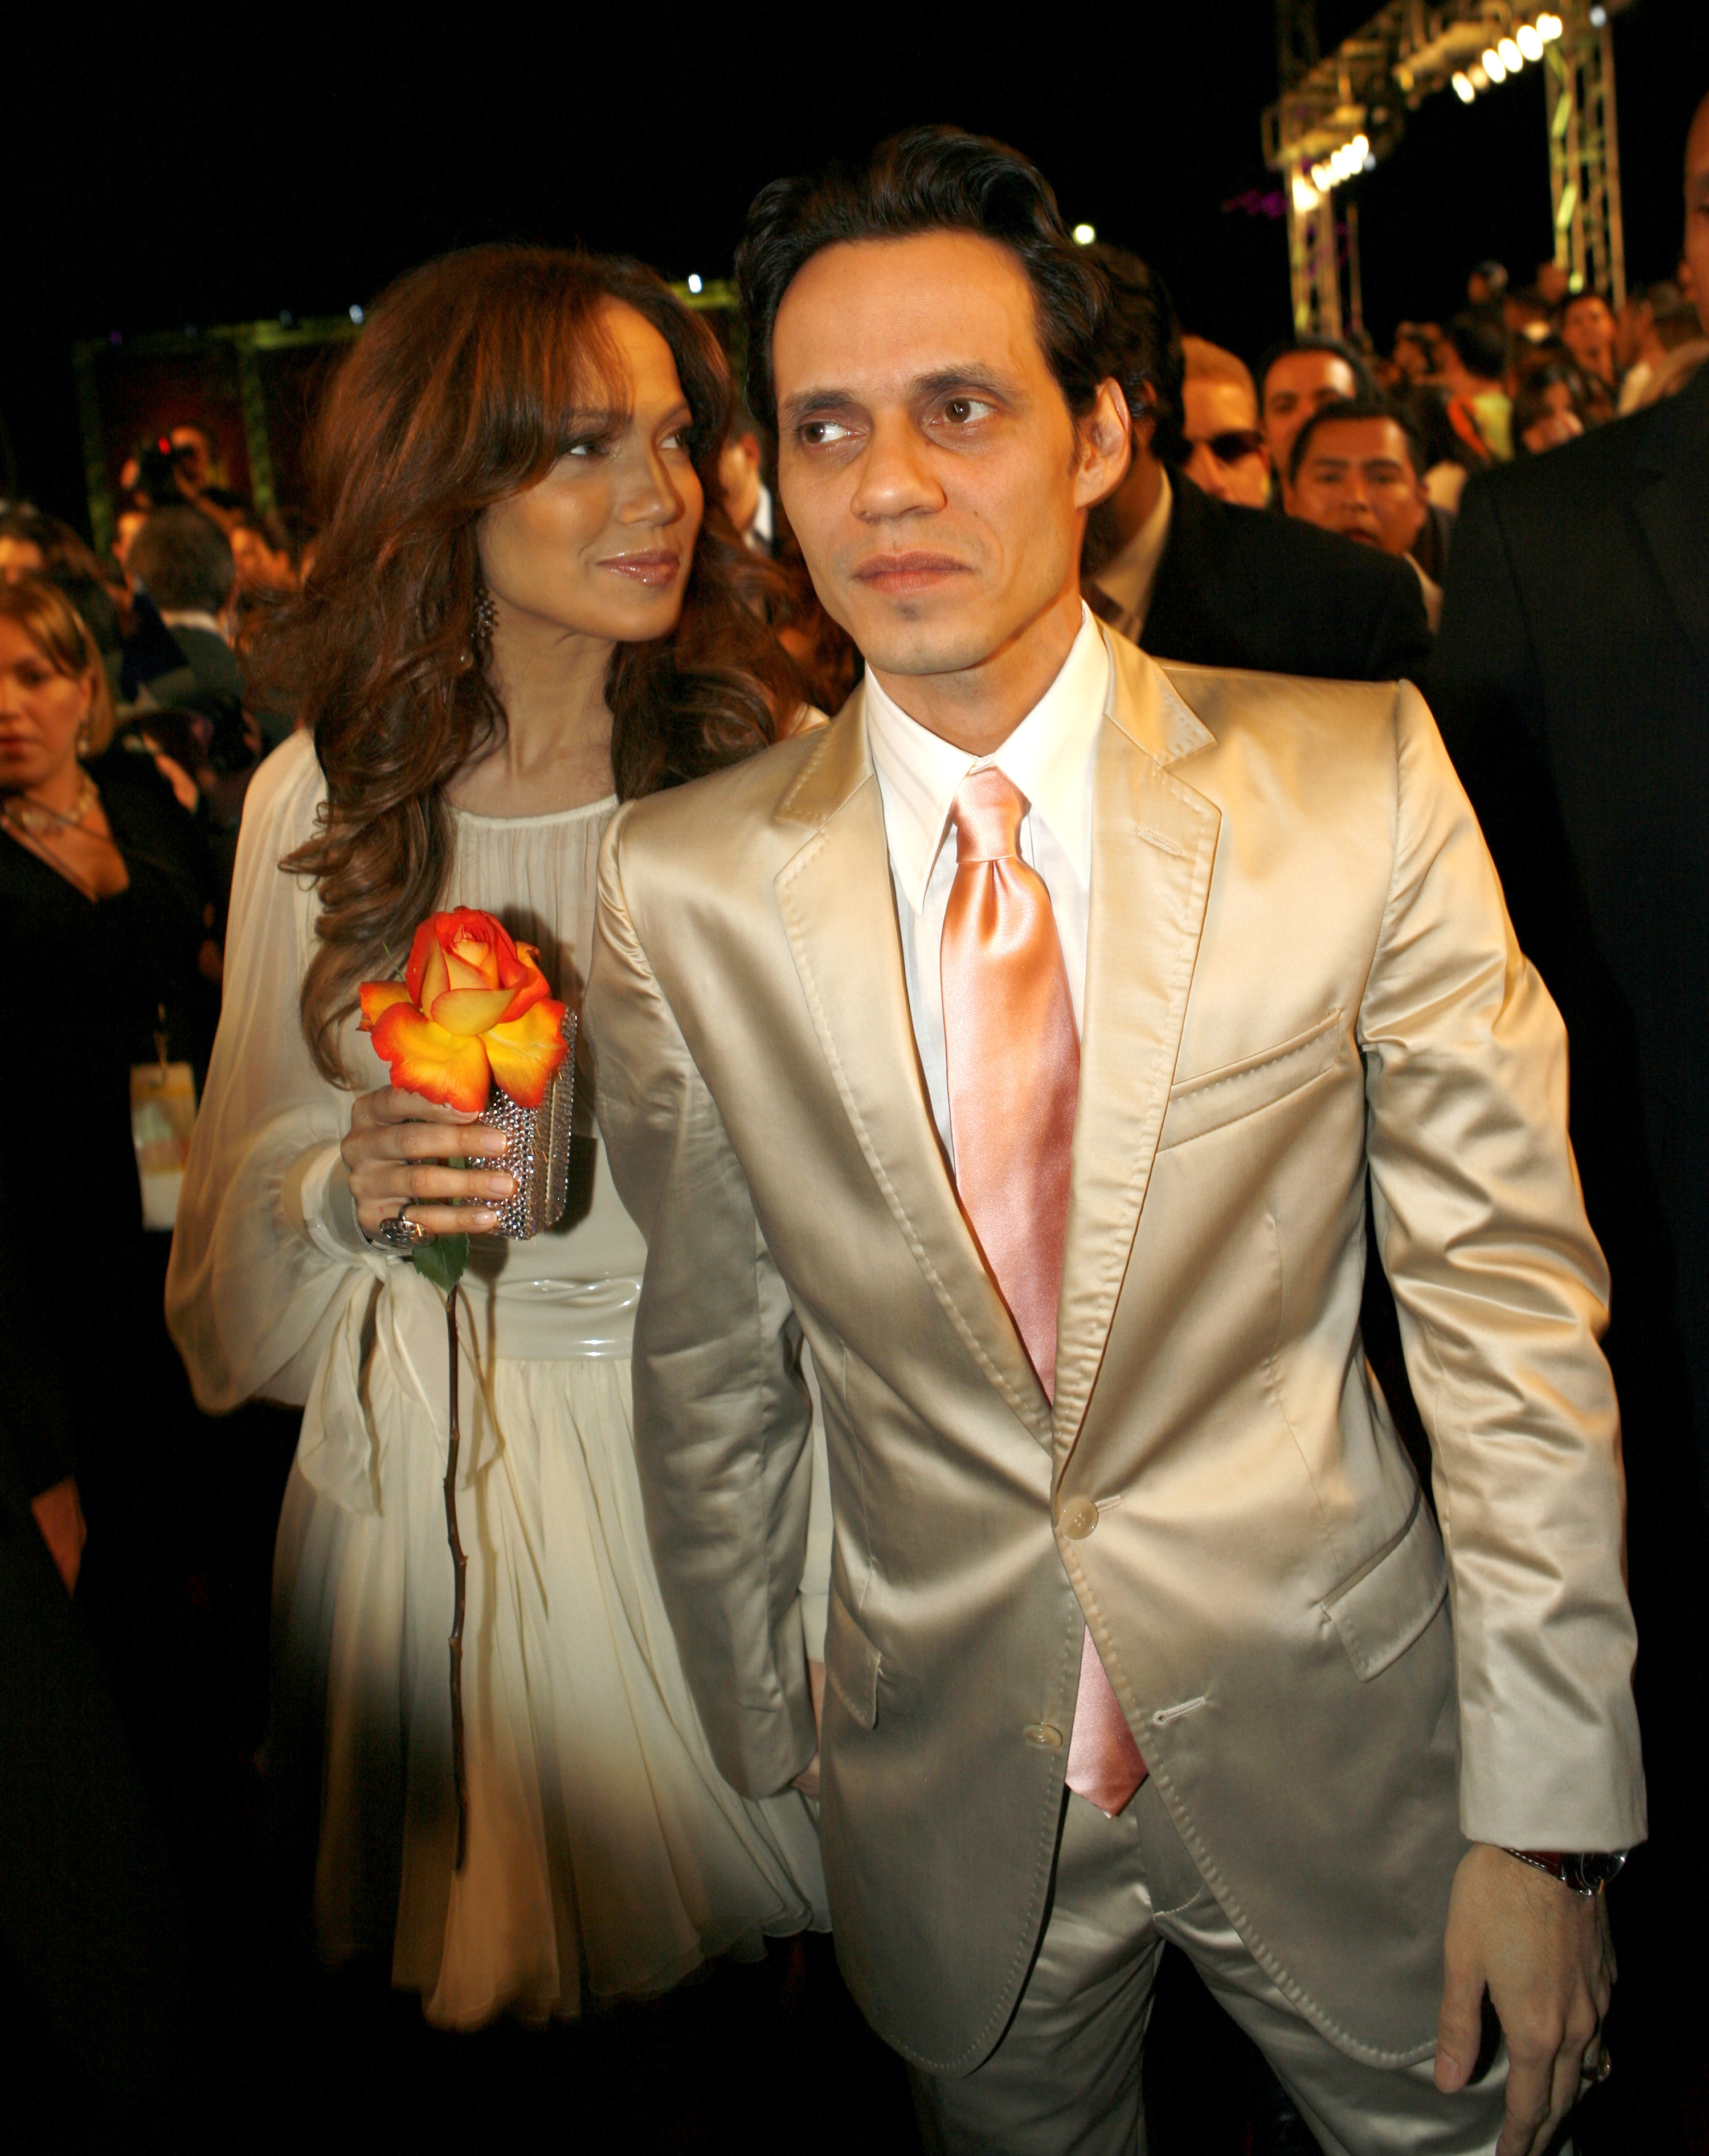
1013, 1058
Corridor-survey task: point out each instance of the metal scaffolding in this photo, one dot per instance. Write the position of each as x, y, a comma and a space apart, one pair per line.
1408, 51
1585, 159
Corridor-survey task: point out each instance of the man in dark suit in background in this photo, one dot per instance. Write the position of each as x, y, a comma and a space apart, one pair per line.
1571, 681
1208, 583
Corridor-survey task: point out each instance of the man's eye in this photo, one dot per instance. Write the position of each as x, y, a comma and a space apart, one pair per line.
965, 410
824, 433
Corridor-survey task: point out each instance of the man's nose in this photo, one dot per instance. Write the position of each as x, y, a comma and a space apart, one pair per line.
893, 477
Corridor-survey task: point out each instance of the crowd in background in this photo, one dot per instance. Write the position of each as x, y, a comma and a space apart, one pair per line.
1330, 431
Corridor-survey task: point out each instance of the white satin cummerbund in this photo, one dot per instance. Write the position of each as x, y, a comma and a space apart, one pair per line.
554, 1321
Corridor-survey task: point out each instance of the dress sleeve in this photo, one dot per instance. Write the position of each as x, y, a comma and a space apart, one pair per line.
266, 1249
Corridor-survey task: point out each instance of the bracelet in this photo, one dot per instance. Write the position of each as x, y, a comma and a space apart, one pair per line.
1586, 1872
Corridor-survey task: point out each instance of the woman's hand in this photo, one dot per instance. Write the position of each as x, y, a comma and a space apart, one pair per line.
396, 1149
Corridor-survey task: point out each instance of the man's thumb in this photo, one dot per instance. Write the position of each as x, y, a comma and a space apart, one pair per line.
1459, 2027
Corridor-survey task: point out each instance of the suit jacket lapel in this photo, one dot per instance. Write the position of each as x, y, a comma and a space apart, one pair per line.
838, 910
1153, 843
1673, 507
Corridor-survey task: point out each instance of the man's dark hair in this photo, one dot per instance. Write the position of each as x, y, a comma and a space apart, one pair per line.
1480, 338
1142, 346
94, 606
1360, 407
1426, 406
183, 561
929, 179
1364, 382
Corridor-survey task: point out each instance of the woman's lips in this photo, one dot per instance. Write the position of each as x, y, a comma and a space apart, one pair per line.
654, 569
898, 575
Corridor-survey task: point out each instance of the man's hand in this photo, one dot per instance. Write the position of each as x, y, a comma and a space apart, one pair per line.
59, 1516
807, 1781
1544, 1957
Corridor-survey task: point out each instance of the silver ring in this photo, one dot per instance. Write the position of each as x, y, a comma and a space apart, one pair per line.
401, 1233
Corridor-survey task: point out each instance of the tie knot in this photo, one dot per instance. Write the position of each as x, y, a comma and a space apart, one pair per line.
987, 808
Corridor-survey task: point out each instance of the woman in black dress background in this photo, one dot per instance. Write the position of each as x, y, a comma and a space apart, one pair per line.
105, 885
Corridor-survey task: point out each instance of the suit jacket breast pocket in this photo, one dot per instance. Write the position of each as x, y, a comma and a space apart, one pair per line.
1200, 1105
1383, 1608
852, 1664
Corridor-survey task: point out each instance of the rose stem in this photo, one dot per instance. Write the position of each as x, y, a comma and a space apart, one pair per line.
460, 1765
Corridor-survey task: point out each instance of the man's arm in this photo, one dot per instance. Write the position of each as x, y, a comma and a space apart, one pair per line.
1502, 1292
722, 1411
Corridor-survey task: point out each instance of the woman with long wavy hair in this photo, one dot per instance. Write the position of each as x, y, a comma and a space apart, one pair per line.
526, 604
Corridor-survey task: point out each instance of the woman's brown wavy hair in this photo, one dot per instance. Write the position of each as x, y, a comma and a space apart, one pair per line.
472, 376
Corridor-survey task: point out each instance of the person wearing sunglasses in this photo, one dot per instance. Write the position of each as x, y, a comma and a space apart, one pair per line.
1219, 419
1177, 561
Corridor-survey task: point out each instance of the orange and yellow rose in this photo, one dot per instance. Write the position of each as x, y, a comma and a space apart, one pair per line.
473, 1006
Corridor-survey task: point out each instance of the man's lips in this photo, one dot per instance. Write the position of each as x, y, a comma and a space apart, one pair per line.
917, 570
658, 567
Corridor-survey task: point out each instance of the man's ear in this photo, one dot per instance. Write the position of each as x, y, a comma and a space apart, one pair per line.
1104, 439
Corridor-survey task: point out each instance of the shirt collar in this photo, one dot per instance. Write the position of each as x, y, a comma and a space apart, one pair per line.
1047, 756
192, 617
1130, 577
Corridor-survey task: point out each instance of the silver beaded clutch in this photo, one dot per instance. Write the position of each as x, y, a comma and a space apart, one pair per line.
540, 1148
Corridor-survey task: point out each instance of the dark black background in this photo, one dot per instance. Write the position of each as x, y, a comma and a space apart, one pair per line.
169, 167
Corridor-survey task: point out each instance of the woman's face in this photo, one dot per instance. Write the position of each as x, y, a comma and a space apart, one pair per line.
602, 546
1557, 421
41, 711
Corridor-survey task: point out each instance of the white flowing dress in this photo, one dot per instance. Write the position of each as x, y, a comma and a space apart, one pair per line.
607, 1855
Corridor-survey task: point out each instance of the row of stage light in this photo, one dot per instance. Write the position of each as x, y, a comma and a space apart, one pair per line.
1506, 56
1503, 58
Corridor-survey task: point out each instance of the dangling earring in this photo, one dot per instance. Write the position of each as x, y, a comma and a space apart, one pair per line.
86, 738
486, 619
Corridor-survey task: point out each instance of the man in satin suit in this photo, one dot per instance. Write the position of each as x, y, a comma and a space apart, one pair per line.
1020, 1041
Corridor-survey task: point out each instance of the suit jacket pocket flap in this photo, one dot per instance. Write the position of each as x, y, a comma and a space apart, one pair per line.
1206, 1102
1381, 1611
851, 1664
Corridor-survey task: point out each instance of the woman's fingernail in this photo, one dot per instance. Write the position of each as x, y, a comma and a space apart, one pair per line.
502, 1186
482, 1216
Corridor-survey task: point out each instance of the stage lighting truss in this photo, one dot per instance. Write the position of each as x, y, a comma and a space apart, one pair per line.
1340, 114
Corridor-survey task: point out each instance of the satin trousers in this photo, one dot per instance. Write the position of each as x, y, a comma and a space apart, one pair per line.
1064, 2080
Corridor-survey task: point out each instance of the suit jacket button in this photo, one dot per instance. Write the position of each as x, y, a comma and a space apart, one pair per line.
1077, 1518
1045, 1735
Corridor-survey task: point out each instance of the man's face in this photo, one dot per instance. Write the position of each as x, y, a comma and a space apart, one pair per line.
260, 569
1299, 384
1357, 479
1587, 331
739, 479
195, 455
926, 457
1230, 459
1697, 211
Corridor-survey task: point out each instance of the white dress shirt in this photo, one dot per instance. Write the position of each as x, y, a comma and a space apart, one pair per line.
1051, 757
1130, 577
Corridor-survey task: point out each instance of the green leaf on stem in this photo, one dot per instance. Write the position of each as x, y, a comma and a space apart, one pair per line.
442, 1261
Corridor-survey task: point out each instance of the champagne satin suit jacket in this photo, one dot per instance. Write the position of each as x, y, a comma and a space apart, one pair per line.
1299, 962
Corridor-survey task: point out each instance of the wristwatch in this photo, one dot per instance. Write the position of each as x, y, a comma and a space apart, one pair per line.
1587, 1872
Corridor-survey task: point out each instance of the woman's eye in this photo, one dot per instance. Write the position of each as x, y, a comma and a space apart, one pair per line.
677, 439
